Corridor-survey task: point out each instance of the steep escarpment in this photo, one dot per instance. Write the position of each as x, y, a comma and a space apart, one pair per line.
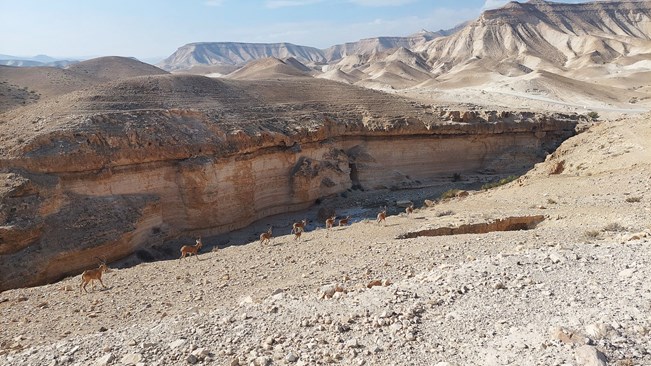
125, 167
547, 35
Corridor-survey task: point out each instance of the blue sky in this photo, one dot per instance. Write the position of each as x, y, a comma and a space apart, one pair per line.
155, 28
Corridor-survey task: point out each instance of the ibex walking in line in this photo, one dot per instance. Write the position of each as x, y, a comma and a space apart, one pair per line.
266, 236
90, 275
191, 249
330, 221
410, 209
299, 225
344, 221
382, 216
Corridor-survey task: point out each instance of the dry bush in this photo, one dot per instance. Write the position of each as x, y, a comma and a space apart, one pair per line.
633, 199
557, 168
592, 234
614, 226
445, 213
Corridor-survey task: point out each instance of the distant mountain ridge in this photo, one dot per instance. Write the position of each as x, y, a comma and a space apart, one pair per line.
235, 53
35, 61
239, 53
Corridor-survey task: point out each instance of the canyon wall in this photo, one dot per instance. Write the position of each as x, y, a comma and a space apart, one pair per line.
74, 197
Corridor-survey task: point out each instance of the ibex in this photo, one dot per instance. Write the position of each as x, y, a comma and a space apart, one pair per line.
330, 221
344, 221
299, 225
266, 236
382, 216
90, 275
191, 249
410, 209
297, 233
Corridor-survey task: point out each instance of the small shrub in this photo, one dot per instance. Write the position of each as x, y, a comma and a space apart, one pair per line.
456, 177
613, 226
592, 234
551, 201
451, 193
633, 199
445, 213
500, 182
593, 115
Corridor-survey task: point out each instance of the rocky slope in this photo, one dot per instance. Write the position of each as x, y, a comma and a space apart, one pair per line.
128, 166
574, 289
547, 35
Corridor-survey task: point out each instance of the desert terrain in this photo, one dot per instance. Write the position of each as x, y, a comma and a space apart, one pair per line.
571, 290
521, 138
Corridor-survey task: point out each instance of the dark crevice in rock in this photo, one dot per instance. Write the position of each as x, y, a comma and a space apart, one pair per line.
514, 223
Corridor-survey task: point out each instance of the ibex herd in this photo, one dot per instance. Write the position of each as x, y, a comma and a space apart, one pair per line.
91, 275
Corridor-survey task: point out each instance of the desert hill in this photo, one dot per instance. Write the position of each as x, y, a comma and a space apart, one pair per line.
114, 68
271, 68
26, 85
550, 34
369, 46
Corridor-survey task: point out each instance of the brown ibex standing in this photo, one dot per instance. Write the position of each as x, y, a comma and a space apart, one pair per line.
330, 221
299, 225
191, 249
410, 209
266, 236
344, 221
382, 216
297, 233
90, 275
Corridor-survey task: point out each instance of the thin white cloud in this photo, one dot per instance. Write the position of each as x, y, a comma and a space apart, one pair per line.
493, 4
323, 34
213, 2
273, 4
380, 3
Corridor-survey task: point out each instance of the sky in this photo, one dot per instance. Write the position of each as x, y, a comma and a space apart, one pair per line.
154, 29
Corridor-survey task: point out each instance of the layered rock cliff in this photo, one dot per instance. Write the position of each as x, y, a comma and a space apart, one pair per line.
125, 167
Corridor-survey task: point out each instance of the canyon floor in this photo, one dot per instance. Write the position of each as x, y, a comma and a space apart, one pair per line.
574, 290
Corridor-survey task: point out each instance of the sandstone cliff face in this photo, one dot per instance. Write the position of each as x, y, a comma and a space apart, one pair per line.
84, 182
63, 211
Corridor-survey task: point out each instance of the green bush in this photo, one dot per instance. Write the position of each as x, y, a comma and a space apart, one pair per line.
450, 193
500, 182
593, 115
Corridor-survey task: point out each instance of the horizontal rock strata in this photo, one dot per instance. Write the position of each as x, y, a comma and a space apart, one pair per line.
107, 184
